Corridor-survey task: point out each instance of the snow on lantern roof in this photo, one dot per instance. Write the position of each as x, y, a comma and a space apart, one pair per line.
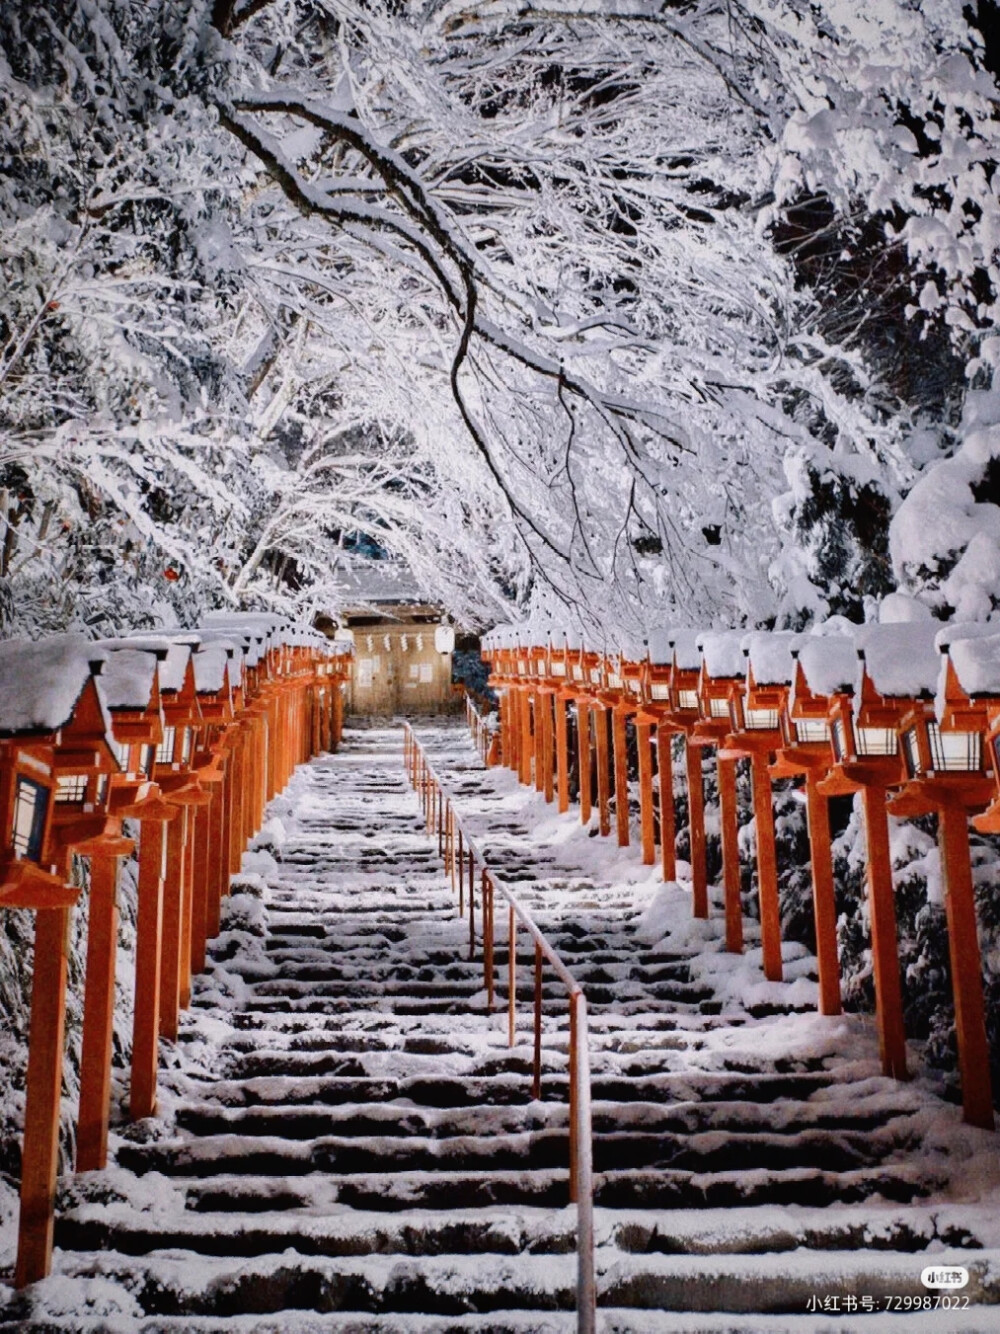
770, 656
685, 651
127, 679
210, 668
900, 659
829, 662
632, 647
174, 666
42, 680
722, 653
976, 660
661, 647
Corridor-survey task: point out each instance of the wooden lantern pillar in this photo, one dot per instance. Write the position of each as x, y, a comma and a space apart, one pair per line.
820, 663
756, 734
720, 680
945, 767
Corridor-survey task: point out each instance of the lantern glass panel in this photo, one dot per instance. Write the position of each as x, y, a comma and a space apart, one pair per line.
659, 691
102, 789
812, 730
956, 751
838, 739
687, 699
71, 789
165, 750
147, 758
718, 708
31, 801
187, 737
911, 753
762, 720
877, 741
996, 756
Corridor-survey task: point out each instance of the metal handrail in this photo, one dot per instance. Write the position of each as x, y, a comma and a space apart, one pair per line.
482, 736
463, 858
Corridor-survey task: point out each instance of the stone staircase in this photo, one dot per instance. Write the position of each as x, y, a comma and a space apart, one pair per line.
347, 1142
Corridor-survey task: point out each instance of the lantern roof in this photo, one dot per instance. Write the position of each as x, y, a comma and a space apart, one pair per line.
771, 656
684, 649
900, 659
210, 667
128, 678
722, 653
41, 681
829, 663
179, 646
975, 658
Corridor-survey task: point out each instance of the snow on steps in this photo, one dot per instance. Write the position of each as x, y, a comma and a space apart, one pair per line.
347, 1140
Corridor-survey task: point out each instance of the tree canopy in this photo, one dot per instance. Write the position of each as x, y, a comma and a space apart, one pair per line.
632, 310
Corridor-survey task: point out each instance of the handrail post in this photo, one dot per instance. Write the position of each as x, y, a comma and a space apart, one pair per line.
586, 1283
574, 1185
461, 874
511, 976
536, 1088
487, 901
472, 905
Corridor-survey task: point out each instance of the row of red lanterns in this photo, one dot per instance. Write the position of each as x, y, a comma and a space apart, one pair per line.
187, 735
907, 715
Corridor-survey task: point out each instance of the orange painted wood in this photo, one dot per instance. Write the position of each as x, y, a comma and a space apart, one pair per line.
562, 755
966, 967
173, 905
619, 737
767, 868
98, 1016
200, 888
583, 752
824, 902
547, 702
40, 1154
696, 817
730, 829
527, 747
885, 947
186, 910
647, 820
541, 734
146, 1012
217, 875
603, 770
668, 828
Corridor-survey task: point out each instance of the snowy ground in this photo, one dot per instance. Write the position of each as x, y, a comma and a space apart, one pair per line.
346, 1138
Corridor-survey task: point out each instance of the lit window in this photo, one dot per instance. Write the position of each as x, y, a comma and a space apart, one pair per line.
558, 669
762, 720
838, 739
71, 788
123, 752
661, 692
165, 750
877, 741
911, 753
187, 737
812, 730
955, 750
687, 699
718, 708
30, 804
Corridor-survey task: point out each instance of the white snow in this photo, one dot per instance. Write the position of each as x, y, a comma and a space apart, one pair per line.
41, 681
900, 659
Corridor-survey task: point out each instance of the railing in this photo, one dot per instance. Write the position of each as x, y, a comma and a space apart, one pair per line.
466, 863
483, 736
